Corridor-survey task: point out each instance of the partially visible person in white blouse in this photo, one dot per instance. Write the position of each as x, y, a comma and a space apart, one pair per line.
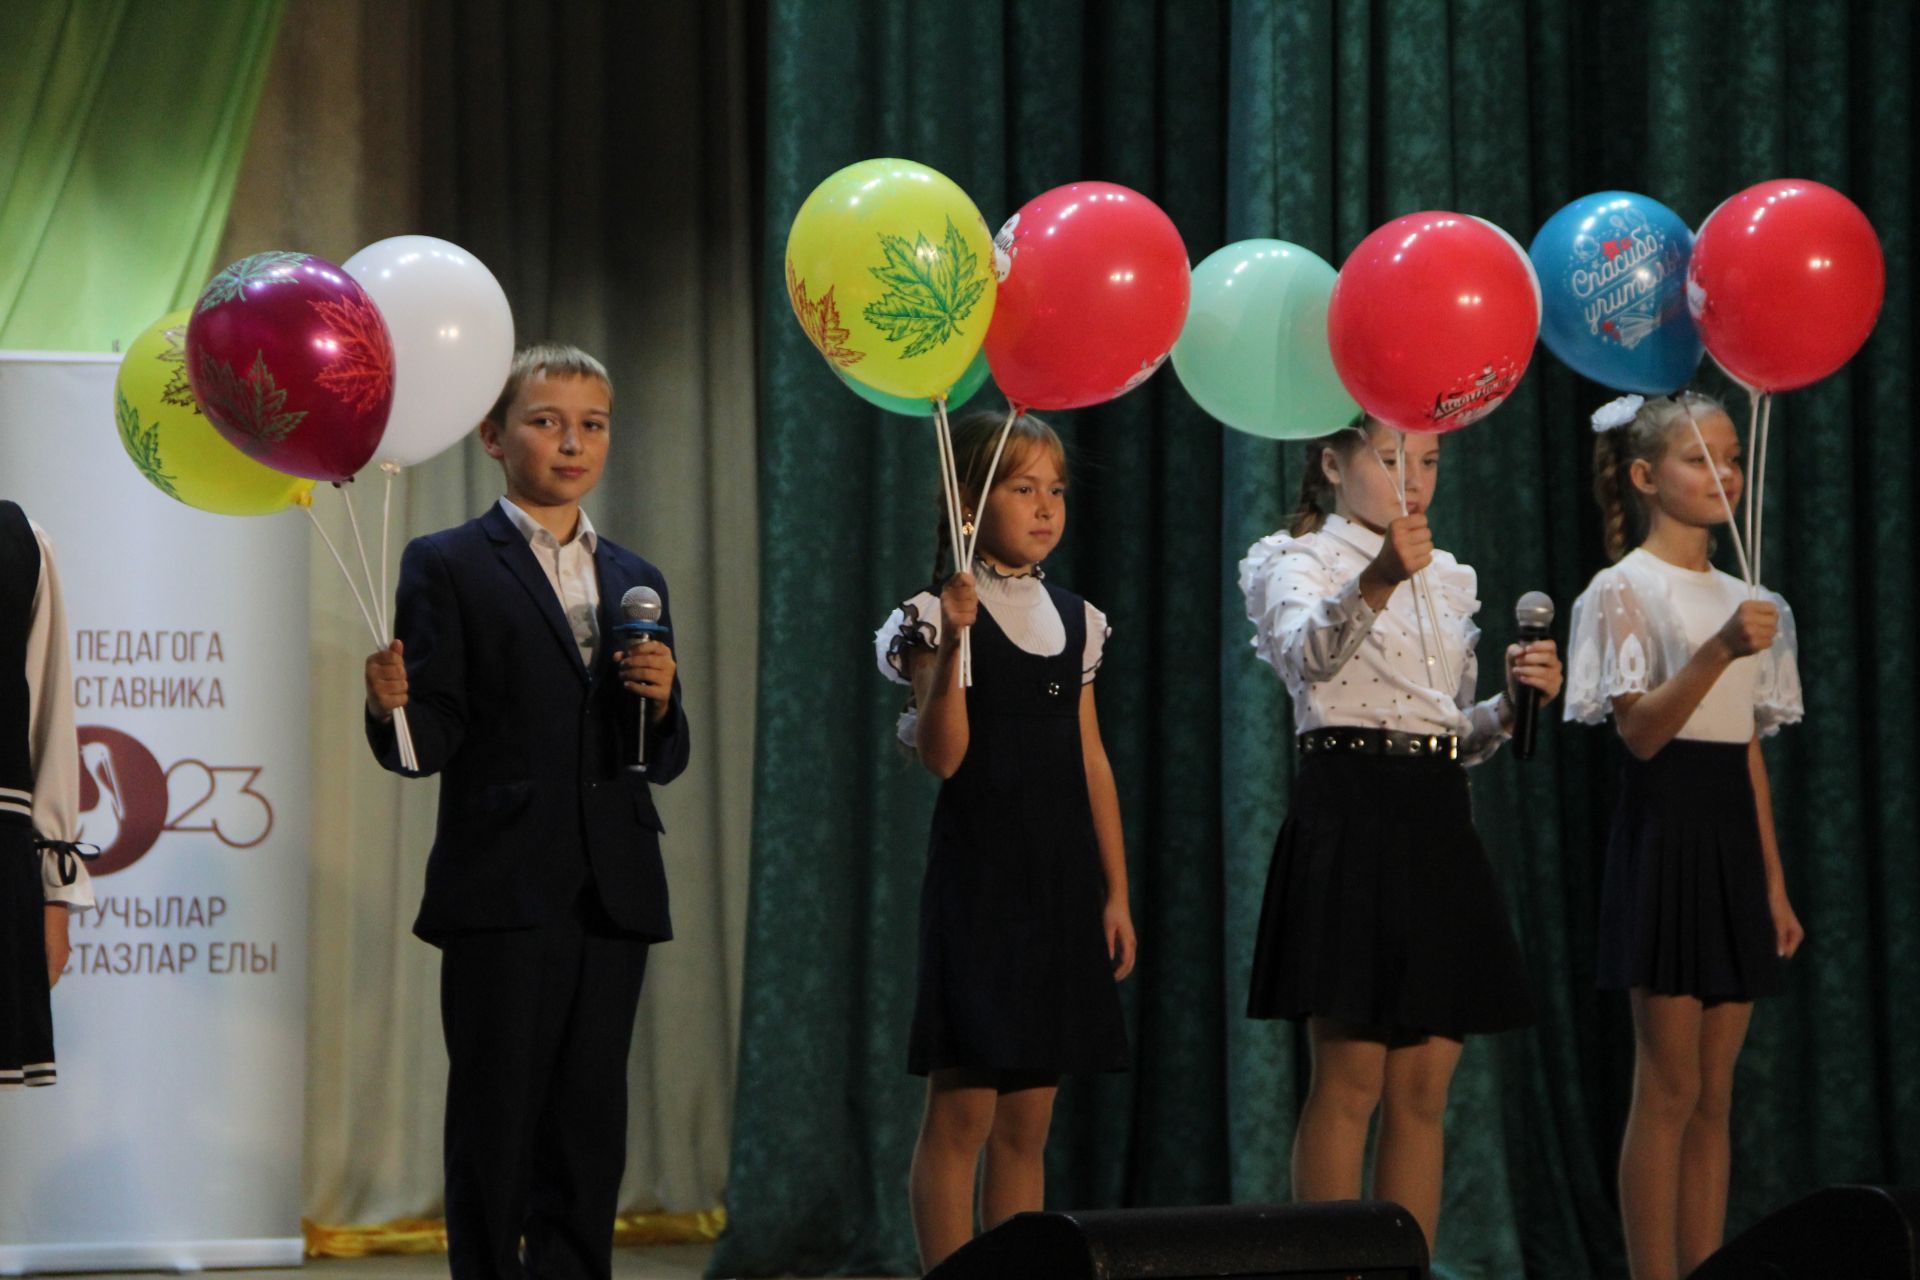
1383, 928
42, 878
1694, 917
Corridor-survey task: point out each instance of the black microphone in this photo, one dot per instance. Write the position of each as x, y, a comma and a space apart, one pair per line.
641, 606
1534, 616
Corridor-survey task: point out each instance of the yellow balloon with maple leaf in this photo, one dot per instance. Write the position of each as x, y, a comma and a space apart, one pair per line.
174, 445
891, 273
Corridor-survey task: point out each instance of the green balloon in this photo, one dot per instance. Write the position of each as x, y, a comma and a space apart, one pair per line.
1254, 352
971, 381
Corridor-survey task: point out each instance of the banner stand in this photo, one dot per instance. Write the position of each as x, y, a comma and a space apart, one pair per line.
173, 1137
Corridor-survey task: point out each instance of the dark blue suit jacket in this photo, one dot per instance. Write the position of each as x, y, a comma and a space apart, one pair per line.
531, 746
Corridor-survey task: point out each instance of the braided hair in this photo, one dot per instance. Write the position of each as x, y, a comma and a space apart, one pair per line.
1643, 438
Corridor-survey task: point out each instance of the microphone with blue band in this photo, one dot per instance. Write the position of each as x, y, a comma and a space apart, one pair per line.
641, 608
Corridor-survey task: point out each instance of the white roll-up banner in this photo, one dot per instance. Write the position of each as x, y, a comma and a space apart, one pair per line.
172, 1139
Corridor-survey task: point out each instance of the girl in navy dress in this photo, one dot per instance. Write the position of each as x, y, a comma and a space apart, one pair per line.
1024, 923
1694, 919
1383, 928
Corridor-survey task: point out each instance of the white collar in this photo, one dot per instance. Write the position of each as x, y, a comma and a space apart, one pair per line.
1023, 589
1640, 555
1353, 534
533, 531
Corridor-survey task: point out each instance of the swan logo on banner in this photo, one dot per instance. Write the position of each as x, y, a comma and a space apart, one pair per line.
127, 801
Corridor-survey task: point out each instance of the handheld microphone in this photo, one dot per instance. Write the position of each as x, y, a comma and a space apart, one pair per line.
1533, 614
641, 608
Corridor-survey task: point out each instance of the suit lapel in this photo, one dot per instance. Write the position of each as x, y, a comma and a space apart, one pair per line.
517, 556
613, 584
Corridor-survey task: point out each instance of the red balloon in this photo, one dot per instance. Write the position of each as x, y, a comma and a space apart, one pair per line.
291, 361
1433, 321
1785, 283
1093, 292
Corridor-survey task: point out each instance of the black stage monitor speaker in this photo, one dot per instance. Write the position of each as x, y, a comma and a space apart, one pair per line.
1842, 1233
1343, 1240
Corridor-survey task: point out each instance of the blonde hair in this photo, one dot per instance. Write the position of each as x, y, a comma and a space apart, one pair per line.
555, 360
1645, 438
974, 436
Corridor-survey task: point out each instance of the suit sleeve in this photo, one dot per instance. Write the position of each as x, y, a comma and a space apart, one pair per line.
667, 744
427, 621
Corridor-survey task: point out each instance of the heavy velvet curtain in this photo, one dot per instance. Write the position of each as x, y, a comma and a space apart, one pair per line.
1314, 122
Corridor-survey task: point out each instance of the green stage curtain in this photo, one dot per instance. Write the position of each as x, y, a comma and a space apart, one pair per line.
122, 127
1315, 122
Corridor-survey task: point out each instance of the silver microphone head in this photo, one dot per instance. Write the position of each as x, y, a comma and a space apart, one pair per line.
1534, 609
642, 604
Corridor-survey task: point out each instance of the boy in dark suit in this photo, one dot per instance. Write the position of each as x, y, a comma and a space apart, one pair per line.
545, 885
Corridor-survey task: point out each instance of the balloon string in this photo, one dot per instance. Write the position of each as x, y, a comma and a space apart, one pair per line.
1759, 486
1747, 498
389, 470
1422, 591
950, 486
979, 522
351, 585
366, 568
1398, 481
1733, 525
409, 758
999, 447
956, 538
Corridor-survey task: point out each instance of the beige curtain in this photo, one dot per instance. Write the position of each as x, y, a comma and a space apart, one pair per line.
348, 128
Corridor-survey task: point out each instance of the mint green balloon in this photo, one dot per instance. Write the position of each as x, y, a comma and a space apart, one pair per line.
1254, 353
971, 381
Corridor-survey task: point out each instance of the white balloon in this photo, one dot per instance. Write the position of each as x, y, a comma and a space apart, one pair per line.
452, 341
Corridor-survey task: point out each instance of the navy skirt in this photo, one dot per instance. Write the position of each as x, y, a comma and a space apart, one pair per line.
26, 1006
1382, 911
1683, 907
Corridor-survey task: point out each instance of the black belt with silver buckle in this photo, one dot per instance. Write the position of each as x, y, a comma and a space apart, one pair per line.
1380, 742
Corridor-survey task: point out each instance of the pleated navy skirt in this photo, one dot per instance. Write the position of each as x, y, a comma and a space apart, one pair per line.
1683, 907
1382, 911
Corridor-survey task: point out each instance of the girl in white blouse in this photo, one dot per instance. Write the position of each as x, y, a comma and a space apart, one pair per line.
1694, 919
1382, 928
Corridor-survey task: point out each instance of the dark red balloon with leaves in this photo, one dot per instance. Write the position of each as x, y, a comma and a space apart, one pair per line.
1785, 283
291, 361
1093, 292
1433, 321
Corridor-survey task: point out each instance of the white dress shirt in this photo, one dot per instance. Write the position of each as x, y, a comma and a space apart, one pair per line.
1639, 621
569, 567
1346, 664
52, 745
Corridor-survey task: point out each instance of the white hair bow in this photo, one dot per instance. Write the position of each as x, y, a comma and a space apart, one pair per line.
1616, 413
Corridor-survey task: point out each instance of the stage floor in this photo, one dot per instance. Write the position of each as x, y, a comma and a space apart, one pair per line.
662, 1262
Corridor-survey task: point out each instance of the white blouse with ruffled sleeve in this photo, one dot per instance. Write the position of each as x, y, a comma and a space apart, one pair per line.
1021, 608
1347, 665
52, 741
1640, 621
